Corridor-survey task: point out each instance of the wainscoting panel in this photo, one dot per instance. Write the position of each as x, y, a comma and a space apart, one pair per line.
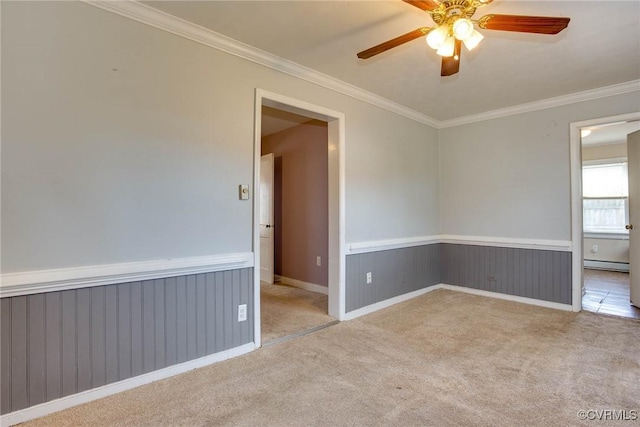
530, 273
61, 343
394, 272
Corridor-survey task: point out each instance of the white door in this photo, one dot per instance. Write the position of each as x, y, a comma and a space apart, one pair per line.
266, 219
633, 154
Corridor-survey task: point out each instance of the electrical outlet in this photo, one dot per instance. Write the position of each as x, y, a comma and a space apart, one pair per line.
242, 312
369, 278
318, 261
594, 249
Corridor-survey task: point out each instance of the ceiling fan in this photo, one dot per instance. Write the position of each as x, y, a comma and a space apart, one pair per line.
455, 27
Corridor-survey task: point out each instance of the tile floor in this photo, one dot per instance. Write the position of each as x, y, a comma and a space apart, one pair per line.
607, 292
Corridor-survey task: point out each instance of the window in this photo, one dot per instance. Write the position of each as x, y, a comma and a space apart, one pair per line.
605, 198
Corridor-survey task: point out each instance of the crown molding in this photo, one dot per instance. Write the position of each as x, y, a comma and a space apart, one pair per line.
180, 27
148, 15
573, 98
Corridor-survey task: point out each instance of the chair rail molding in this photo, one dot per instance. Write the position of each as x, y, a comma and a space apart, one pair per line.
503, 242
33, 282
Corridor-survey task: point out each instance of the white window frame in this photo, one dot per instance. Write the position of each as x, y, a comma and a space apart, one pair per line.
592, 234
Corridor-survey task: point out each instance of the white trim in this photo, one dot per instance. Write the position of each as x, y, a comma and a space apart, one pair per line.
336, 203
388, 302
382, 245
606, 265
575, 150
47, 408
587, 95
506, 297
405, 297
509, 242
312, 287
180, 27
32, 282
606, 236
503, 242
609, 161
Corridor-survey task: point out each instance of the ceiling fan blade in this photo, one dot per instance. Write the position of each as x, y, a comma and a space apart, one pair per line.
424, 4
393, 43
451, 64
524, 24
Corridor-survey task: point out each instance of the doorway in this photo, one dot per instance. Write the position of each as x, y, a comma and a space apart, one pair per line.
293, 224
306, 218
601, 215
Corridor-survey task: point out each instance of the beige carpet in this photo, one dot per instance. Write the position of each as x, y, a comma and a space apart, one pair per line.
286, 310
443, 359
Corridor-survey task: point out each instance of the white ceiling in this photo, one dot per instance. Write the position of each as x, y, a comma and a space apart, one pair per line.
614, 133
601, 47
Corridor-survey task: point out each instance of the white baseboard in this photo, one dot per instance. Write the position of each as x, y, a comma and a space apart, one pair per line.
303, 285
606, 265
47, 408
388, 302
514, 298
405, 297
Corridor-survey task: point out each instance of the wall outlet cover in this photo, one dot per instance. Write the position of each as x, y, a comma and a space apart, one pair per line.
242, 312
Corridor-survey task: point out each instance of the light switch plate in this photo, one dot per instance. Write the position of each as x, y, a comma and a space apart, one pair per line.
244, 192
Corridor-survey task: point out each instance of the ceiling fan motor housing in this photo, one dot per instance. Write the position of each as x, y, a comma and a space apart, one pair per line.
449, 11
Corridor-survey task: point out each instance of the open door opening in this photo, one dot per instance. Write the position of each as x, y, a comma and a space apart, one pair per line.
610, 159
299, 208
294, 226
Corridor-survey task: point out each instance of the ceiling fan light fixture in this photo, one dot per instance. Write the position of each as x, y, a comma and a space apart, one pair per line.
463, 28
437, 37
447, 47
474, 40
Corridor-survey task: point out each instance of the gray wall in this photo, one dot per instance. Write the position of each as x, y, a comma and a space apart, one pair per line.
60, 343
394, 272
123, 143
509, 177
538, 274
530, 273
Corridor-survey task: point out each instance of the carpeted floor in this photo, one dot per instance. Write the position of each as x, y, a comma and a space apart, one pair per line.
442, 359
286, 310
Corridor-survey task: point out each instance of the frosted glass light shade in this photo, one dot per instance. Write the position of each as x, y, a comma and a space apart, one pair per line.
447, 47
463, 28
474, 40
437, 37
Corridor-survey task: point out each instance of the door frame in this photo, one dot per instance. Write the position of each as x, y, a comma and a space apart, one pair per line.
335, 150
577, 237
270, 231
